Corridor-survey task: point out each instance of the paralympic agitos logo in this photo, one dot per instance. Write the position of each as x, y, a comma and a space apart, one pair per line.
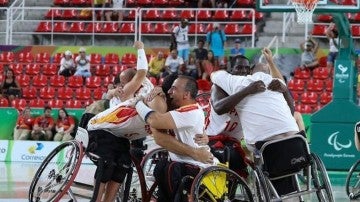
333, 140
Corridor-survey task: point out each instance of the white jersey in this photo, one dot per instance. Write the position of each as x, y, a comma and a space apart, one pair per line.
182, 37
262, 115
332, 44
121, 121
226, 124
189, 121
83, 64
65, 64
118, 3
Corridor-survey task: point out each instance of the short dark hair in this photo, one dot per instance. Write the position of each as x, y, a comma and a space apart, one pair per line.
336, 33
168, 81
117, 79
190, 86
47, 107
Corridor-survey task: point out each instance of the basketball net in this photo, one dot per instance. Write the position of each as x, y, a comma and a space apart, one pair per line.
304, 10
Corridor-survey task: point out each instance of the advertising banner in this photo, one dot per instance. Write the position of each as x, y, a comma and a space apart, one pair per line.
31, 151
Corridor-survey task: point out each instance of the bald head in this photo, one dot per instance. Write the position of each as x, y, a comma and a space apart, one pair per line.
261, 67
127, 75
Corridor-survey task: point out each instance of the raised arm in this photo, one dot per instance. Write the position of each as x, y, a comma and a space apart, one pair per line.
274, 71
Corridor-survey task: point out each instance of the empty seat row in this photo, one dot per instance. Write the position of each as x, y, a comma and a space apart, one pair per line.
64, 93
317, 73
20, 104
312, 98
315, 85
320, 30
308, 109
24, 57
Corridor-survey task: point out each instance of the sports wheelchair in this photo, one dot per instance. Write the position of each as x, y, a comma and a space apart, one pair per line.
353, 178
284, 159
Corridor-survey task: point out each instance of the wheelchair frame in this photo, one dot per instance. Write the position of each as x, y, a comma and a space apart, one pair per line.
315, 171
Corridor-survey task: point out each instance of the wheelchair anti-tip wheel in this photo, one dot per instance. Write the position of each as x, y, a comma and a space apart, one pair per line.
321, 180
353, 181
219, 184
56, 173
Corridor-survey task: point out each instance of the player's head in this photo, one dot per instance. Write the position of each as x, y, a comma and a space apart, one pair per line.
261, 67
126, 76
166, 85
184, 22
241, 66
183, 91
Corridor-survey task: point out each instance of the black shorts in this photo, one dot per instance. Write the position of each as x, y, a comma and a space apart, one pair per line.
115, 151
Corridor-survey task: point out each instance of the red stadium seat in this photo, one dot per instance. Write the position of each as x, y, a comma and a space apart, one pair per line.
324, 18
107, 80
144, 3
152, 14
42, 58
23, 80
258, 16
245, 3
310, 98
93, 82
127, 28
146, 28
356, 17
77, 27
7, 57
80, 3
97, 94
321, 73
4, 102
355, 30
57, 81
25, 57
61, 27
4, 3
323, 61
39, 81
53, 14
29, 93
32, 69
329, 85
75, 82
318, 107
64, 93
325, 97
57, 58
161, 28
131, 15
44, 26
17, 68
315, 85
116, 69
61, 2
196, 28
304, 109
247, 29
302, 73
95, 58
69, 14
170, 15
56, 103
49, 69
19, 104
187, 14
111, 58
176, 3
110, 27
204, 15
160, 3
102, 70
128, 59
231, 29
47, 93
221, 15
319, 30
349, 2
296, 85
239, 15
296, 96
82, 93
94, 27
73, 104
37, 103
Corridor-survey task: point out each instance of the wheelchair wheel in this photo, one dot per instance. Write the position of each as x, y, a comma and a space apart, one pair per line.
321, 180
219, 184
56, 173
130, 189
353, 181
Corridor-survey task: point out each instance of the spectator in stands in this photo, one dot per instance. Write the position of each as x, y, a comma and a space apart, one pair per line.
173, 64
100, 4
237, 50
43, 125
216, 40
200, 55
191, 69
118, 5
67, 65
206, 3
82, 64
156, 65
181, 40
333, 36
64, 126
209, 65
23, 125
224, 3
308, 57
10, 87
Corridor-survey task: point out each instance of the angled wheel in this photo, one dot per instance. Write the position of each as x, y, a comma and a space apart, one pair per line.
219, 184
321, 180
259, 186
56, 173
353, 181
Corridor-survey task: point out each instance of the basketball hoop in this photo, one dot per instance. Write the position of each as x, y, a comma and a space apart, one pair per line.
304, 10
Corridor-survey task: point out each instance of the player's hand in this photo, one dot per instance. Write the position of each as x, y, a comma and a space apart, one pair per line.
201, 139
267, 54
256, 87
139, 45
203, 155
276, 85
155, 92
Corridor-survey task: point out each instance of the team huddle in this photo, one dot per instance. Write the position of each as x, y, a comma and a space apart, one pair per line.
250, 103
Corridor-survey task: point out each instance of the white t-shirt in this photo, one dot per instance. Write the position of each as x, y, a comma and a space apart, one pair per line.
182, 37
174, 64
118, 3
226, 124
262, 115
65, 64
189, 121
332, 45
82, 64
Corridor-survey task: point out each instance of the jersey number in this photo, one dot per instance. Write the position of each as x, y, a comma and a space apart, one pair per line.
230, 126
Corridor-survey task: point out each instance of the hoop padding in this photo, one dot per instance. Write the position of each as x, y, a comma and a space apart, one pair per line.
82, 136
304, 10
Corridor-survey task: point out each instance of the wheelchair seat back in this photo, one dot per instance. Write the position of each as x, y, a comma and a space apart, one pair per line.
82, 136
284, 156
